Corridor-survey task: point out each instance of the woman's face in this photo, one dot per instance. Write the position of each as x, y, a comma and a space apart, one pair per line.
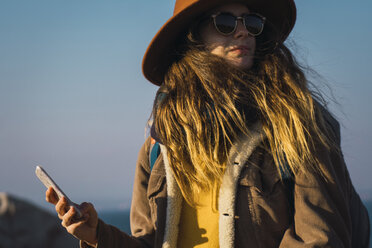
237, 48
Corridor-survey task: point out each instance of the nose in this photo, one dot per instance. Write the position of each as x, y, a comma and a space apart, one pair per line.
240, 31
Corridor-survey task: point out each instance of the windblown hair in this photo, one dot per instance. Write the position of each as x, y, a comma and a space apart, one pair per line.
205, 105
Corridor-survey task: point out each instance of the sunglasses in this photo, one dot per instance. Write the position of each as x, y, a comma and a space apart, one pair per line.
226, 23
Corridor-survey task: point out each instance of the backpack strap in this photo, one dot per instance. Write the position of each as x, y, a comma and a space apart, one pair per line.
154, 152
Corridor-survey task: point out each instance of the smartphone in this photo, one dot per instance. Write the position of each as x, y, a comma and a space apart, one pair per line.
49, 182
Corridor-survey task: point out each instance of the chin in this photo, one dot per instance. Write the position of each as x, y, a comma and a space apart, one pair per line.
244, 66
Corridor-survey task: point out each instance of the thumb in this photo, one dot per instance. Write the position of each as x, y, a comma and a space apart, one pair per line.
89, 213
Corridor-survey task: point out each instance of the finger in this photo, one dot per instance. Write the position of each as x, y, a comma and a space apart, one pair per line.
62, 207
68, 218
51, 196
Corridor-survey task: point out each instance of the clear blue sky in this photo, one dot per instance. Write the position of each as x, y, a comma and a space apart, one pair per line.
73, 98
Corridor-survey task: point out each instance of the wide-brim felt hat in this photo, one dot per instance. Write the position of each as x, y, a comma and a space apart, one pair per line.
280, 14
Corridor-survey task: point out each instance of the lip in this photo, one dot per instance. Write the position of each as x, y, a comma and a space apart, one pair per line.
242, 49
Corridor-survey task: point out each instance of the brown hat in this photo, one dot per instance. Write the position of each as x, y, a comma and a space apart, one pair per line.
280, 13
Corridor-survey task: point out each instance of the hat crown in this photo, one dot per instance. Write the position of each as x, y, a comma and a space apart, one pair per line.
181, 5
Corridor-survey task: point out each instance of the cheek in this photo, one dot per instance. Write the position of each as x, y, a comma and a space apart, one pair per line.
213, 41
218, 50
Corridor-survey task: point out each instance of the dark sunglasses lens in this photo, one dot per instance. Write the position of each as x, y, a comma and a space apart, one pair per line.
254, 24
225, 23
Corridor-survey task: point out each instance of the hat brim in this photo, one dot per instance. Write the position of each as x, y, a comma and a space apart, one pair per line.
158, 56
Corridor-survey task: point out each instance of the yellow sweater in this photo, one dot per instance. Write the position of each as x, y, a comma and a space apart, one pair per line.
199, 225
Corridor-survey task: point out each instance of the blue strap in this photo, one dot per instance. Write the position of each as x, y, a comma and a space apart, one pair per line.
154, 154
285, 172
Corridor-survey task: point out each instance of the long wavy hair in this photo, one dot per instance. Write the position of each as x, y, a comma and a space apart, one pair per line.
205, 105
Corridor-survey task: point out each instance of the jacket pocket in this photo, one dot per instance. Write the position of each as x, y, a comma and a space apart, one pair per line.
155, 185
263, 195
156, 194
260, 184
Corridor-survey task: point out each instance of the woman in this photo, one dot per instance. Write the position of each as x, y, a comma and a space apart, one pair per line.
248, 157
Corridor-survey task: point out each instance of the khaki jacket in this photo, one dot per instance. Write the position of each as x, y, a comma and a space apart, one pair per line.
253, 204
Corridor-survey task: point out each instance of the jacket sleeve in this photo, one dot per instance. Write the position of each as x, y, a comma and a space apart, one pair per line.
110, 236
322, 215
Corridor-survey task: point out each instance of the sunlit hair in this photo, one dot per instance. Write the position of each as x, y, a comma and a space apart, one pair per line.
205, 105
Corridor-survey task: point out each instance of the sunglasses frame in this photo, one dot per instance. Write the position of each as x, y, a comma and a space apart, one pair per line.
263, 19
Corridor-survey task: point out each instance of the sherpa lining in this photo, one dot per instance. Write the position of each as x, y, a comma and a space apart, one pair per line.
239, 154
174, 205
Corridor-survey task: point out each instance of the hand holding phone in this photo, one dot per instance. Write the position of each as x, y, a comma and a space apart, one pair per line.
49, 182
